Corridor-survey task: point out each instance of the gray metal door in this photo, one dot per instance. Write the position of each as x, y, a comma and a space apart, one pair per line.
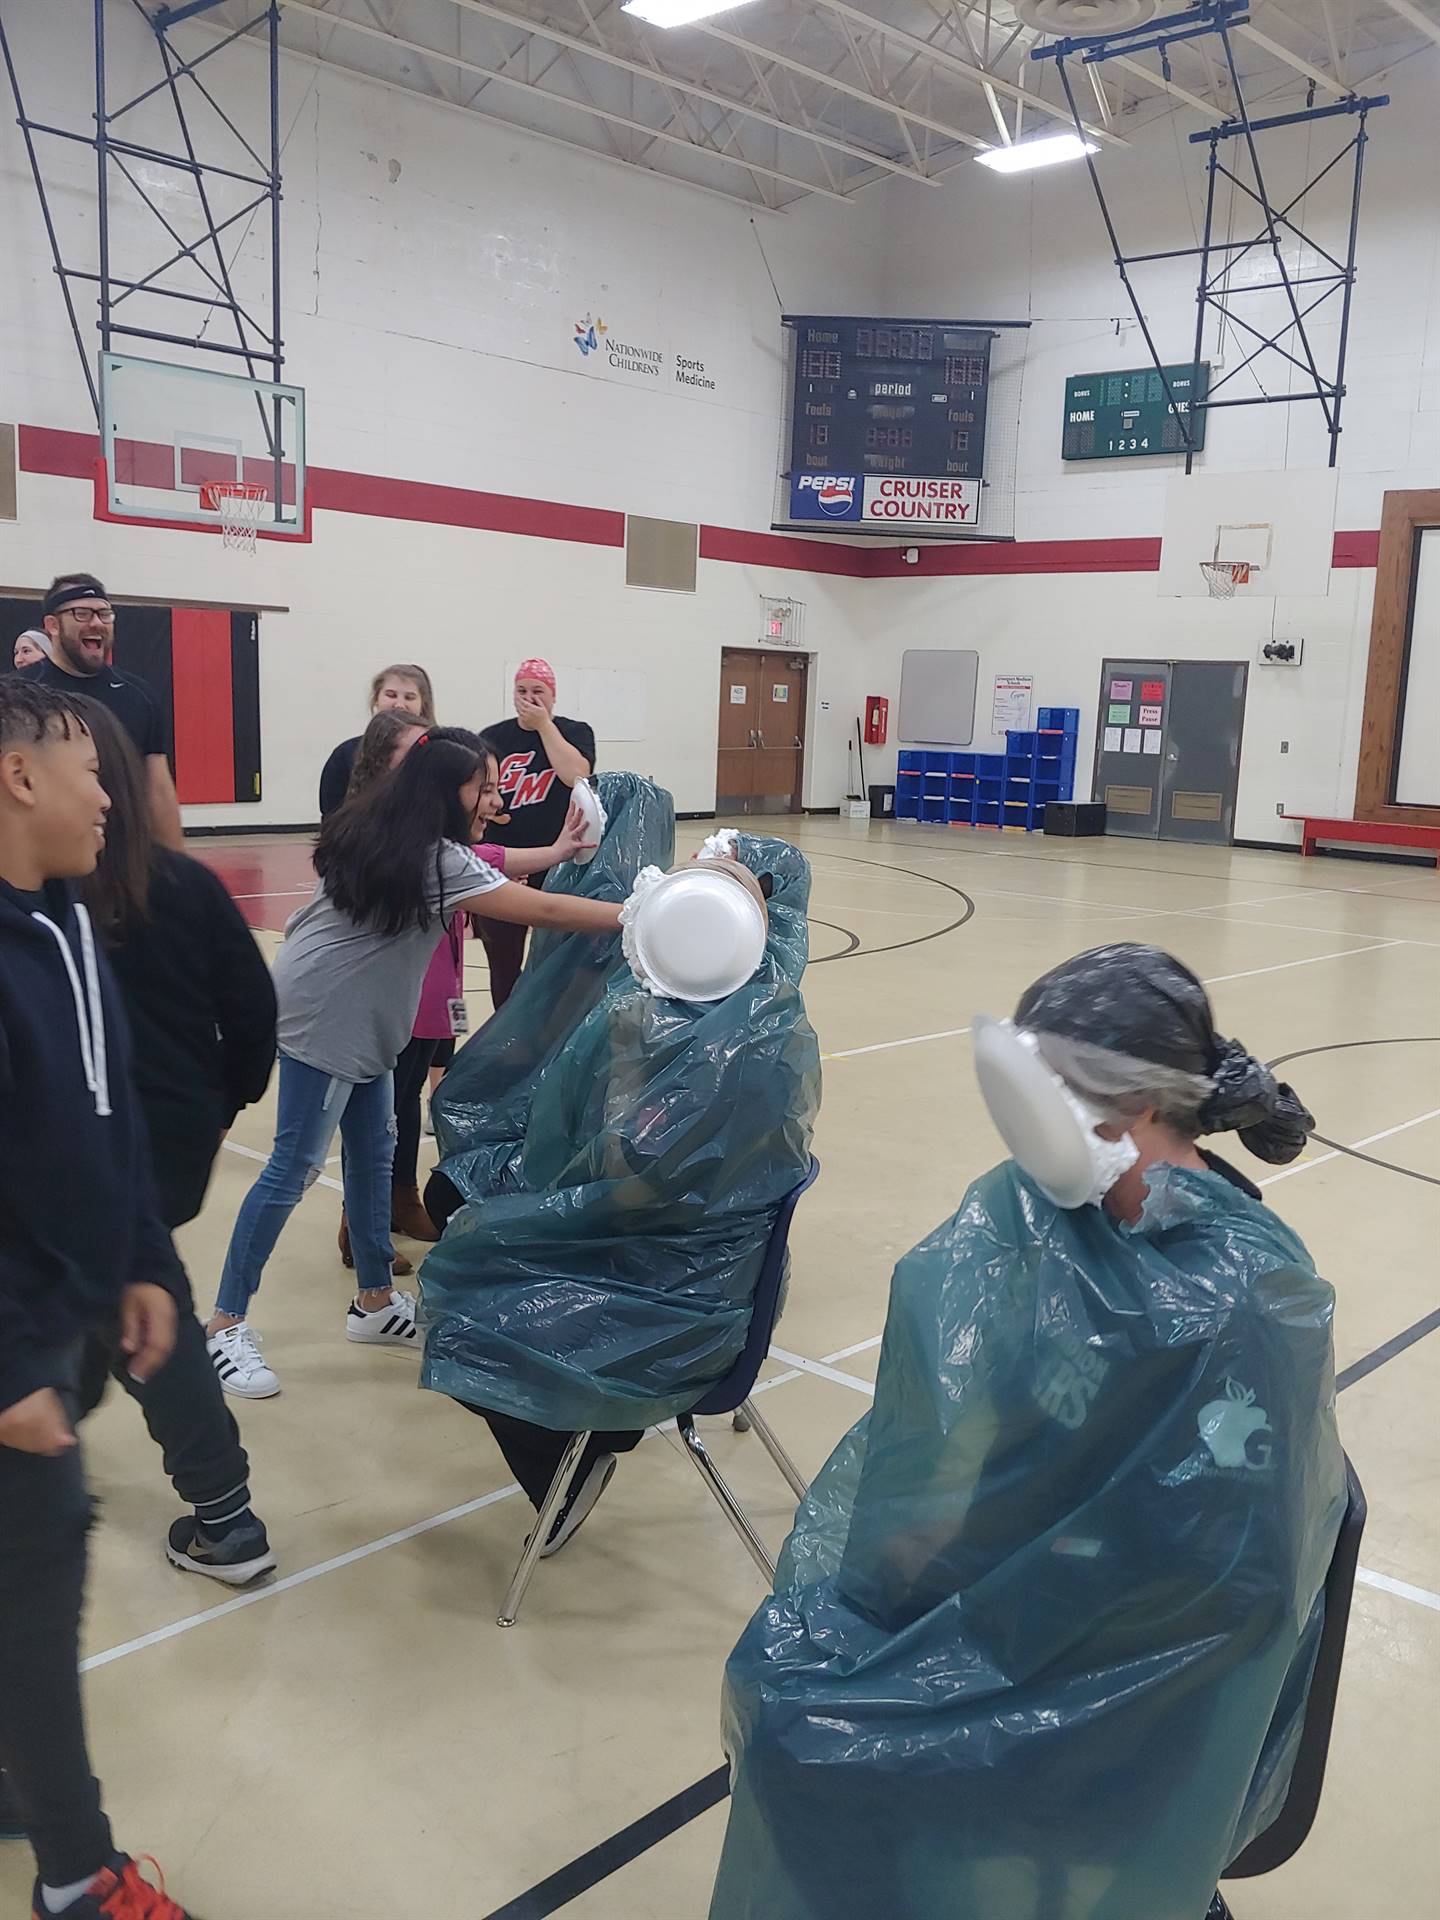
1129, 743
1202, 750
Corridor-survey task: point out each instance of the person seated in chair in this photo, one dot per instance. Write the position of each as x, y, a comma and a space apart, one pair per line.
605, 1282
1040, 1643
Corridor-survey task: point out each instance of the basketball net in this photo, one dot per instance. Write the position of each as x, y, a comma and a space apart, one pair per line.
1223, 576
239, 504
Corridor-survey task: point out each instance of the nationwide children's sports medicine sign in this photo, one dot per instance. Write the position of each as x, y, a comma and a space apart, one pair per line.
911, 504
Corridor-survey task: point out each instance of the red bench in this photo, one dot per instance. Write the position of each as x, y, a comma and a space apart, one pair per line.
1374, 833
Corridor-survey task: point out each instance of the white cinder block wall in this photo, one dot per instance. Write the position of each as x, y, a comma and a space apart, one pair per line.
435, 269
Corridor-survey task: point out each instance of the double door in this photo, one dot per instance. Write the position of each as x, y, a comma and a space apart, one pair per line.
1167, 748
760, 765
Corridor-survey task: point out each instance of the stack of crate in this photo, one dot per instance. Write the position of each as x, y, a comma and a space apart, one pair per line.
1007, 789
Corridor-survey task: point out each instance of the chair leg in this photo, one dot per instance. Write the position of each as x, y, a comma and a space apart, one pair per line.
776, 1452
1218, 1908
740, 1420
729, 1506
554, 1500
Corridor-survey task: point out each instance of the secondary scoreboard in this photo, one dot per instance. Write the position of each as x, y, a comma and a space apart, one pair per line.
1130, 415
887, 427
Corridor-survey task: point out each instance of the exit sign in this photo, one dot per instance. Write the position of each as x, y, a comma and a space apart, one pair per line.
1129, 416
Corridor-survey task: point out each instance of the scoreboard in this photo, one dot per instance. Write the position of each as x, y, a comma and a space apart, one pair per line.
1129, 416
887, 427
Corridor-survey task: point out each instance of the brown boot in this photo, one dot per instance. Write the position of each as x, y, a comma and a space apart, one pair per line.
408, 1215
399, 1265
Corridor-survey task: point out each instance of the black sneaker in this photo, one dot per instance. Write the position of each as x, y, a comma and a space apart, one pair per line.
236, 1557
12, 1827
578, 1508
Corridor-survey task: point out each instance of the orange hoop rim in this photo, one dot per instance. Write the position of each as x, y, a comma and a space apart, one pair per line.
214, 492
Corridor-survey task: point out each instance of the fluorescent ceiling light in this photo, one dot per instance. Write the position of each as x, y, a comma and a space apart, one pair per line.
1025, 154
675, 13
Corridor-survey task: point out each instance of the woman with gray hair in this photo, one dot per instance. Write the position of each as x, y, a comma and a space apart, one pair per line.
1041, 1640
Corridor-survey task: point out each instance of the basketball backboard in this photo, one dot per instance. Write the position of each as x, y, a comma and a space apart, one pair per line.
169, 432
1278, 528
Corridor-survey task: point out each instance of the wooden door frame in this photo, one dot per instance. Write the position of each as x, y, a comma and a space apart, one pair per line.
1404, 514
787, 654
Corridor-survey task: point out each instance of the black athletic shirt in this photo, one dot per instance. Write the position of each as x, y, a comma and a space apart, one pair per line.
128, 699
535, 798
335, 775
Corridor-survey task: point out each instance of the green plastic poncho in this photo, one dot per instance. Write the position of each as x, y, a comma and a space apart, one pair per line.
482, 1106
603, 1278
1040, 1641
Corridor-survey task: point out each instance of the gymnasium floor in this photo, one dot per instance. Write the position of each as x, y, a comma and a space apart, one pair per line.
358, 1739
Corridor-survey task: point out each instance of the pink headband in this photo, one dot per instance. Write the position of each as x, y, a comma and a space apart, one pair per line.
536, 670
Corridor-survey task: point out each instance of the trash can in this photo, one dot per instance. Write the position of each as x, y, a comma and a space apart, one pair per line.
882, 803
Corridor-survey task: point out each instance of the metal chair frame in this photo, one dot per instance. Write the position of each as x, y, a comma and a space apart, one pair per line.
730, 1395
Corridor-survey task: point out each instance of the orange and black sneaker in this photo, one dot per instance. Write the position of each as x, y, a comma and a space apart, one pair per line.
118, 1892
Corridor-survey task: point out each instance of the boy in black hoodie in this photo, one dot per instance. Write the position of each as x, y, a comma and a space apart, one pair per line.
80, 1245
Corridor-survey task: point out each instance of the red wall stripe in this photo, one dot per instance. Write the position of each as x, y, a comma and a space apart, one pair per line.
204, 705
73, 455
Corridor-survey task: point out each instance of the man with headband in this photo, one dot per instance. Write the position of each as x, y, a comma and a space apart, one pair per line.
541, 758
80, 626
1041, 1640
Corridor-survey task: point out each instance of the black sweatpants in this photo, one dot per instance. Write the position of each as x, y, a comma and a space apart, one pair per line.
533, 1454
184, 1403
45, 1512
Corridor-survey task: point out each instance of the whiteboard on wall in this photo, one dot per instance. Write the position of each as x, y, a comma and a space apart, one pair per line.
937, 696
613, 703
1416, 781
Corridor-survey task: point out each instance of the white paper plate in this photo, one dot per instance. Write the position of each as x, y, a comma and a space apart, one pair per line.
1031, 1113
696, 936
588, 801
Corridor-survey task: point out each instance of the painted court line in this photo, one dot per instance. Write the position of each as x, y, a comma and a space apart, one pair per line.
292, 1580
1215, 980
1310, 960
250, 1153
1422, 1596
1304, 1166
824, 1372
885, 1046
289, 1581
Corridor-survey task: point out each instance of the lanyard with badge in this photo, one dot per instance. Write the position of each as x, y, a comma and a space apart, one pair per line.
455, 1007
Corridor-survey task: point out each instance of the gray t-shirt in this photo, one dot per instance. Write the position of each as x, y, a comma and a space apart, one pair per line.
348, 995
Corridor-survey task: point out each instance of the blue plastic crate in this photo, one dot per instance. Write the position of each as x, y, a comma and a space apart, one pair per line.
1017, 742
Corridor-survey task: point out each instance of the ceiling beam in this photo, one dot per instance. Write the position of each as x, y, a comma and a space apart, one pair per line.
1207, 107
1295, 60
952, 63
597, 52
869, 98
495, 76
1417, 19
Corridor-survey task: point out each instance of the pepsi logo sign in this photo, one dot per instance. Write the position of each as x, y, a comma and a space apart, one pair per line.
834, 493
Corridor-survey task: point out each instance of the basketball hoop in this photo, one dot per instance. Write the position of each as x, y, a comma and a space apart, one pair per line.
239, 504
1223, 576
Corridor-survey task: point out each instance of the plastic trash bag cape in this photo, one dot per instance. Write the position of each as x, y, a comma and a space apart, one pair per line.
482, 1106
603, 1277
1041, 1639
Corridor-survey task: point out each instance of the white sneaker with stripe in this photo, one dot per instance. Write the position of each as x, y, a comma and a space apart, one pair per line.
236, 1357
388, 1326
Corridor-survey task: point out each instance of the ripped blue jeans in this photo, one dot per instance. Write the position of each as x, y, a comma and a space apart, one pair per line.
311, 1105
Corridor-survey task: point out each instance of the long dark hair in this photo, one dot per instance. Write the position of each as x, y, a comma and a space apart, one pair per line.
375, 853
377, 744
117, 893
